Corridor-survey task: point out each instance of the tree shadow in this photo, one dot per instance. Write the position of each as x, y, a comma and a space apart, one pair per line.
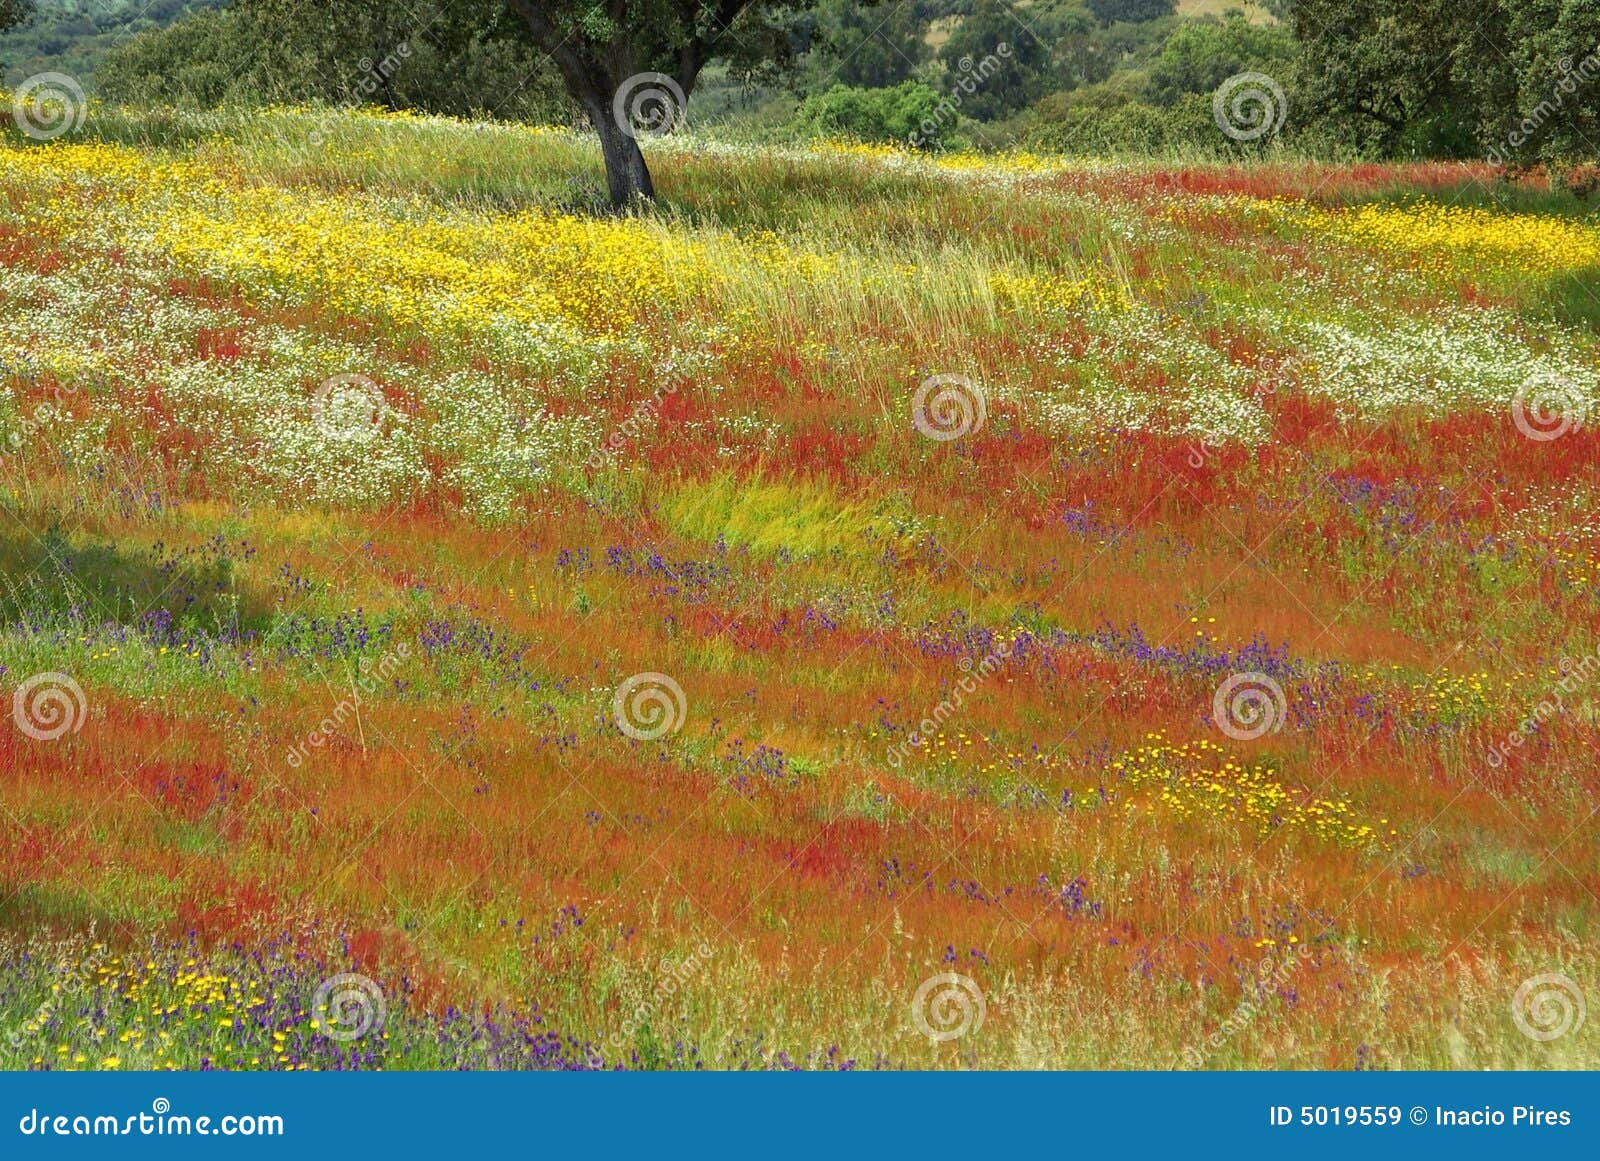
47, 577
1573, 297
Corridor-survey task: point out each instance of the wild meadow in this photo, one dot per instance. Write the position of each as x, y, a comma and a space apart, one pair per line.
869, 610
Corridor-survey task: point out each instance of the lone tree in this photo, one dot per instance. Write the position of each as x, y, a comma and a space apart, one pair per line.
631, 64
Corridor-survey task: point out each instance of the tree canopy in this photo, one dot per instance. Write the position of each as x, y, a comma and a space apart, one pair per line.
630, 65
14, 12
1515, 81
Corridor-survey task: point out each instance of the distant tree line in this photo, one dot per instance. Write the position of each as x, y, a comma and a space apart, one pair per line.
1514, 80
462, 57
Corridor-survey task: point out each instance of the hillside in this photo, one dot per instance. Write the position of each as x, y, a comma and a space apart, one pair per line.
977, 611
72, 36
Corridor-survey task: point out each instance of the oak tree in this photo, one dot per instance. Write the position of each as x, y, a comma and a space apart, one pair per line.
630, 65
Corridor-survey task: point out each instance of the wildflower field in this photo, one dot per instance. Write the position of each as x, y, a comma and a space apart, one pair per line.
870, 610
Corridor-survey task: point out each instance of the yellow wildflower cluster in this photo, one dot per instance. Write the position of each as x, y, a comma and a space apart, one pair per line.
1450, 697
773, 255
848, 148
600, 276
412, 262
155, 1013
1197, 779
69, 162
1059, 292
1011, 162
1578, 567
1535, 243
1192, 779
87, 188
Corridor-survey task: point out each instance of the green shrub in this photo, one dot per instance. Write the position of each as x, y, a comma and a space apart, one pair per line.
910, 112
1076, 124
443, 61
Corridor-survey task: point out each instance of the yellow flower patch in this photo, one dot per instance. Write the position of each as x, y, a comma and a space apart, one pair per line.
1536, 243
1198, 779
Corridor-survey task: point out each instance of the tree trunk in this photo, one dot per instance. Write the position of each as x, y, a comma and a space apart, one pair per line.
627, 176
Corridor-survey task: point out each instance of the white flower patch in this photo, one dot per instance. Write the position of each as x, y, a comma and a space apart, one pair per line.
331, 466
1471, 358
255, 411
504, 448
1205, 394
746, 430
